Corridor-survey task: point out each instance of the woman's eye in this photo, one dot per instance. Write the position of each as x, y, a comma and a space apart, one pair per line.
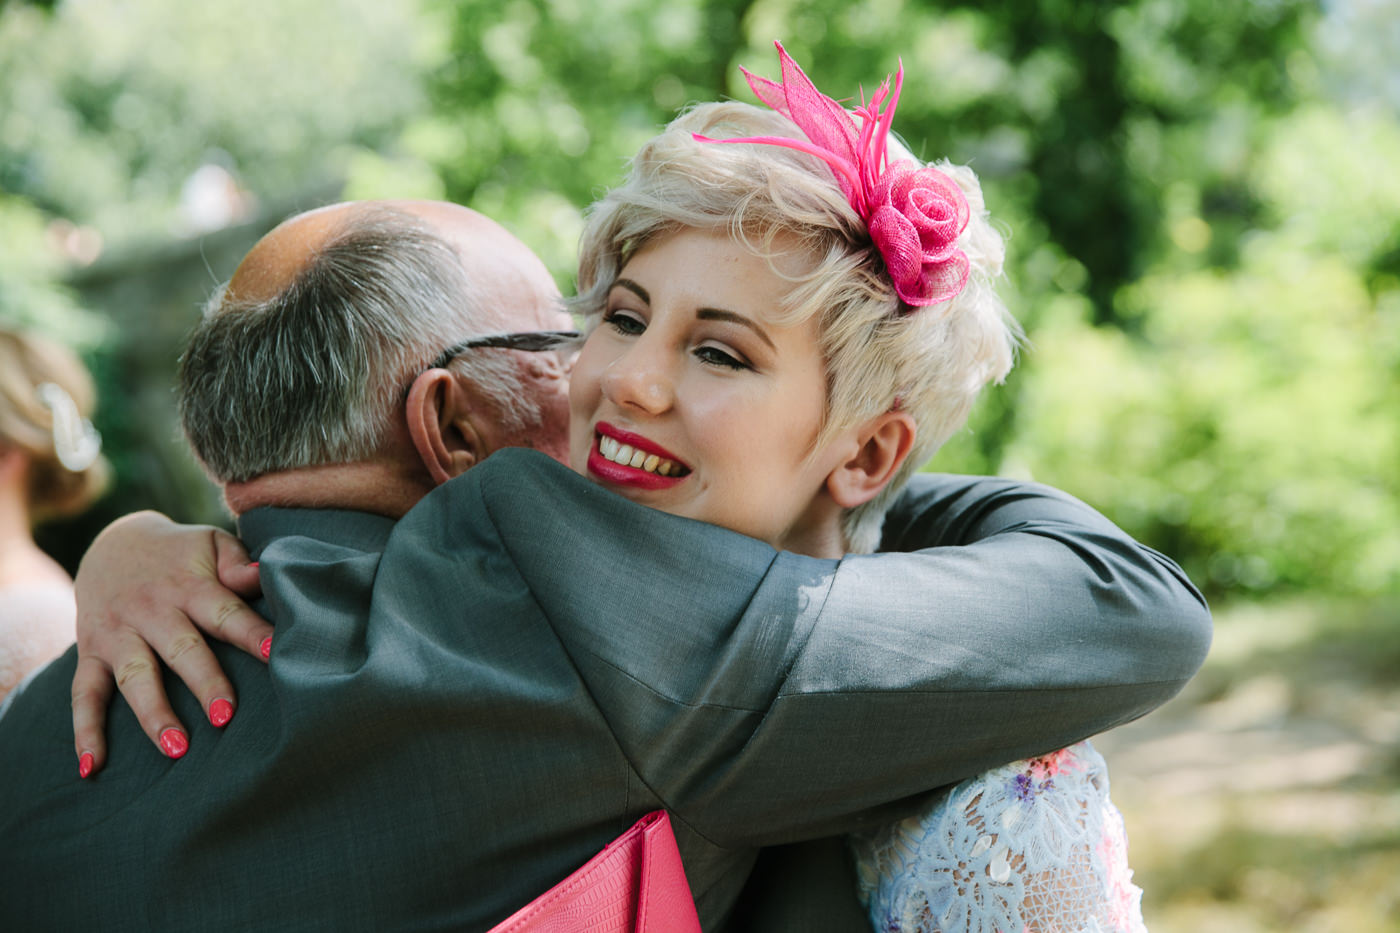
624, 322
717, 357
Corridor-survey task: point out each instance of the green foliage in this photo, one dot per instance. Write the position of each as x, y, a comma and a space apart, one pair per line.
30, 296
110, 111
1249, 428
540, 102
545, 99
107, 108
1252, 433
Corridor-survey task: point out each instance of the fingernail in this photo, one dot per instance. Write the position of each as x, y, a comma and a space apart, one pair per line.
84, 764
220, 712
266, 648
253, 564
174, 743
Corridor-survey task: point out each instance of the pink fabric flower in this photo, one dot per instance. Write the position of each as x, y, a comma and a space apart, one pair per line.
919, 215
914, 214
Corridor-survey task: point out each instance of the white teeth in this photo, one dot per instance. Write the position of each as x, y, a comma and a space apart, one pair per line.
627, 455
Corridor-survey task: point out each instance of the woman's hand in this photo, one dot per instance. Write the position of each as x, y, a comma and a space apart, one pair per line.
142, 588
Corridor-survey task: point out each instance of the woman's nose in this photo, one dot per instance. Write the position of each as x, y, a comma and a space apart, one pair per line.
640, 379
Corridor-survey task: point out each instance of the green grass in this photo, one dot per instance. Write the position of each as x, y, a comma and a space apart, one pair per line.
1267, 796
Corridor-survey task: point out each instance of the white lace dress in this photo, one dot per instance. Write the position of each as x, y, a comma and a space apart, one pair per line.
1035, 846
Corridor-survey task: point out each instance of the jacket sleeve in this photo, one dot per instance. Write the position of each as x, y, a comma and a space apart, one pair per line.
768, 697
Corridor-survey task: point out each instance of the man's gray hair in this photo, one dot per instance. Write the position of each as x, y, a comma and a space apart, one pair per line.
315, 374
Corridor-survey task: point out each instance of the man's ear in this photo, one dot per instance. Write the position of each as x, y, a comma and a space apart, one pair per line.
884, 443
439, 421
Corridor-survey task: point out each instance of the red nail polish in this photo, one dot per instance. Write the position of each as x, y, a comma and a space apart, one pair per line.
266, 648
174, 743
220, 712
253, 564
84, 764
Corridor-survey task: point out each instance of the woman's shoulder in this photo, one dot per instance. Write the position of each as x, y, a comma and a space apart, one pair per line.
36, 626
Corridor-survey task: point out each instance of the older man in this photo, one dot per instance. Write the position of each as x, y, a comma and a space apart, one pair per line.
474, 688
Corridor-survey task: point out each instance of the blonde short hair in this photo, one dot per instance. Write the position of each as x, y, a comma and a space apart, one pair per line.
879, 354
28, 361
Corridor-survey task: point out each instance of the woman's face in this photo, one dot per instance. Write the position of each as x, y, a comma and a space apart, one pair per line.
713, 409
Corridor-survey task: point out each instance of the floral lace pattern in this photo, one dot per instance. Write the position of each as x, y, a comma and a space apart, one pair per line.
1035, 846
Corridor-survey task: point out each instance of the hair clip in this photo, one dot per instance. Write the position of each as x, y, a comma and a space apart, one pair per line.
914, 213
75, 441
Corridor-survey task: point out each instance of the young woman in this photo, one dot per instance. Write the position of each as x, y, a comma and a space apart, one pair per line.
783, 326
50, 465
785, 319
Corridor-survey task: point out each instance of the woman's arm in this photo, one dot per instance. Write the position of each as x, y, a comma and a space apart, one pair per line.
1027, 622
1032, 600
142, 588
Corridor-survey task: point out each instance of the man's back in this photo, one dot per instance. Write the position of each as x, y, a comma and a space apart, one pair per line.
220, 835
390, 769
421, 753
465, 706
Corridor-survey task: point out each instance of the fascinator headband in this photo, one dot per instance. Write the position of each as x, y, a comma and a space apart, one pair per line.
914, 213
76, 442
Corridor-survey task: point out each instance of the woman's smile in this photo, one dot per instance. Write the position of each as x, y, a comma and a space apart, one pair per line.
630, 459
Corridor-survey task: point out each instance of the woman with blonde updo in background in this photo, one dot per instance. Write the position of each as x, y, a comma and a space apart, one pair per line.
50, 466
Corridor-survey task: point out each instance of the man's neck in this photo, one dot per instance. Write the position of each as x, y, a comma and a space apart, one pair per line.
379, 487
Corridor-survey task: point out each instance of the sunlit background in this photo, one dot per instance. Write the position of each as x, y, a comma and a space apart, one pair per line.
1202, 200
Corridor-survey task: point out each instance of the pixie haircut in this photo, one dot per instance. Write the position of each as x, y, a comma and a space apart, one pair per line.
27, 361
879, 353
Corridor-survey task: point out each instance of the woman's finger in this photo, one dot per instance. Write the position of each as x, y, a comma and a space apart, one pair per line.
235, 570
221, 613
187, 654
93, 685
138, 678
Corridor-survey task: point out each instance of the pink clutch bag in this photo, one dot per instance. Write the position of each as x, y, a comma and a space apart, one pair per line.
635, 885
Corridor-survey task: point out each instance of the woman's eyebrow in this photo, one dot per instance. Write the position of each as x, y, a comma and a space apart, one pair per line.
719, 314
634, 288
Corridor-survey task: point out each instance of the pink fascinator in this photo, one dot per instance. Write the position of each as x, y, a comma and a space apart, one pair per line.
914, 213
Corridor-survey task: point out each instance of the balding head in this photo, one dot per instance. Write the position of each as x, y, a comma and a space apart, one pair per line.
505, 275
303, 358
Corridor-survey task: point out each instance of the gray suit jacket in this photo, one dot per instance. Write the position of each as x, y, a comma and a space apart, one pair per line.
466, 705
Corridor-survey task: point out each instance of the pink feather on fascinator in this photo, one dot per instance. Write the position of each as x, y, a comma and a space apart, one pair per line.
914, 213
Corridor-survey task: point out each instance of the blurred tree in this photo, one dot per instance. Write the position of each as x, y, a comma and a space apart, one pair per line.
540, 101
548, 95
147, 120
129, 133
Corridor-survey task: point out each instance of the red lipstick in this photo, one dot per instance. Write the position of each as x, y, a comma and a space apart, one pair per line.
624, 475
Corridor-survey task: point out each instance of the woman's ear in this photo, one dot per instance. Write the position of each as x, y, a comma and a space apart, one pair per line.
885, 442
12, 462
439, 421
